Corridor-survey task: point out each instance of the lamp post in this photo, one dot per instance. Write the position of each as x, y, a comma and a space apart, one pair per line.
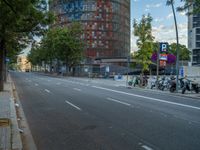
177, 45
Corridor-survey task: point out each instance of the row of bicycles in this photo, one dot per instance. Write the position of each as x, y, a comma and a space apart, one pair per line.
166, 83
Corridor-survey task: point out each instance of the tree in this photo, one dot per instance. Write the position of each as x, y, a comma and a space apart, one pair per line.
21, 20
69, 45
143, 30
188, 4
61, 44
36, 55
184, 52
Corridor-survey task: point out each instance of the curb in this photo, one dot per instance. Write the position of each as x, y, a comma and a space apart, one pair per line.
172, 94
16, 142
27, 142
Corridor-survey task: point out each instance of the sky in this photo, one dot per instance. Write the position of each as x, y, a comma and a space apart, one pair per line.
163, 21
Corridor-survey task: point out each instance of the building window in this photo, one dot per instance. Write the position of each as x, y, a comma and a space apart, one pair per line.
197, 30
197, 44
197, 37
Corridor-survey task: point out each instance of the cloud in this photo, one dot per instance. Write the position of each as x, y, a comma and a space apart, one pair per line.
158, 20
169, 16
163, 33
133, 43
154, 5
182, 13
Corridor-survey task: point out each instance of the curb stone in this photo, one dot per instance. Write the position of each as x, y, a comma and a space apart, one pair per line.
26, 136
15, 137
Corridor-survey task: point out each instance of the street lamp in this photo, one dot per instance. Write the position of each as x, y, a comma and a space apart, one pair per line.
177, 44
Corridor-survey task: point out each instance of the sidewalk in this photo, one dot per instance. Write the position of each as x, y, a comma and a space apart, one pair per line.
10, 138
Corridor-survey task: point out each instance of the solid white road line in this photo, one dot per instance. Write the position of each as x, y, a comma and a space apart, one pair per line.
114, 100
146, 147
73, 105
76, 89
47, 91
149, 98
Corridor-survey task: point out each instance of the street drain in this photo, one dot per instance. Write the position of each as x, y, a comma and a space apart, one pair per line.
4, 122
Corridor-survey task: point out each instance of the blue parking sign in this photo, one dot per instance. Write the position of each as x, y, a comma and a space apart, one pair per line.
163, 47
181, 72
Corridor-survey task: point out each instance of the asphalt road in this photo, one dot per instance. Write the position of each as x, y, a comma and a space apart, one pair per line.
84, 114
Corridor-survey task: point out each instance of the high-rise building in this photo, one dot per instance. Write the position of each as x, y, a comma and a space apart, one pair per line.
194, 37
106, 25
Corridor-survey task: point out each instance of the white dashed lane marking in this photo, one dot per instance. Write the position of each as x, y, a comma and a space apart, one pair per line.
47, 91
78, 108
117, 101
76, 89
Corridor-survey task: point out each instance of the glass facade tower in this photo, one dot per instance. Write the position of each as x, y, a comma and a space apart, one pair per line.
106, 25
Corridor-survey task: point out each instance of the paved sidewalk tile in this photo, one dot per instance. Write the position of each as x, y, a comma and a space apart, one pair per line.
9, 135
5, 132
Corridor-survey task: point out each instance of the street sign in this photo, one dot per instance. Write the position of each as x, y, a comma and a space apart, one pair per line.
181, 72
163, 57
163, 54
163, 47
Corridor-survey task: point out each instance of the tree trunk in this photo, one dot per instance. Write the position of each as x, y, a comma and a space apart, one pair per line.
58, 67
51, 66
66, 67
2, 45
5, 67
45, 67
141, 79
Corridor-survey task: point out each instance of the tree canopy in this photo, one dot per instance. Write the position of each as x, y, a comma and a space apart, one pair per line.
184, 52
20, 21
143, 30
195, 4
60, 43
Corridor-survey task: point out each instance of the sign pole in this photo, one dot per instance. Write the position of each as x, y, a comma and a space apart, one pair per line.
158, 65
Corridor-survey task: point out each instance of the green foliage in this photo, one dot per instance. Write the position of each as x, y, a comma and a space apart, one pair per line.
35, 56
184, 53
187, 4
59, 43
143, 30
155, 46
21, 20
